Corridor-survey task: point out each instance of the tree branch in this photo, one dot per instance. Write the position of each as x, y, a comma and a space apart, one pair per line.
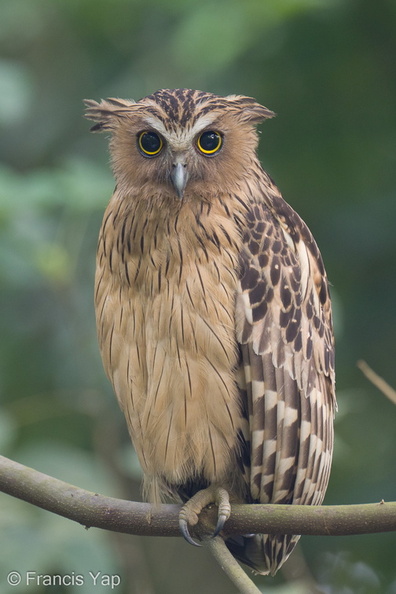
230, 566
93, 510
377, 381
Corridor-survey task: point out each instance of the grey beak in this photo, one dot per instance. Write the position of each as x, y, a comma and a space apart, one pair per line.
179, 177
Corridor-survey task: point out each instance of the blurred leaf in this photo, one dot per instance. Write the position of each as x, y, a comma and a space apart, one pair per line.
202, 34
14, 15
68, 464
53, 261
8, 430
16, 92
44, 543
346, 575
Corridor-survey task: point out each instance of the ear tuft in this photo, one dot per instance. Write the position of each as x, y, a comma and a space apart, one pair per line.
249, 110
107, 113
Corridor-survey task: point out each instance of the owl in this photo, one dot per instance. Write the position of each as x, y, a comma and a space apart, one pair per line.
213, 314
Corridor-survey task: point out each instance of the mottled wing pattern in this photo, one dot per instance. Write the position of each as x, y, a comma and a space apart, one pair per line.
285, 333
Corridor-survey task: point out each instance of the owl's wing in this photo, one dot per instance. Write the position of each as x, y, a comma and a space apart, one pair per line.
284, 328
286, 375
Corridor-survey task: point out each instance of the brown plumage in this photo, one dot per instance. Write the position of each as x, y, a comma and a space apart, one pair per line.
213, 312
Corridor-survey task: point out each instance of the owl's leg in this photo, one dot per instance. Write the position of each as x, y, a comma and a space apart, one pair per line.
190, 511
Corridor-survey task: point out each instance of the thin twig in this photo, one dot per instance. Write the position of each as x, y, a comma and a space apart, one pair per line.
230, 566
377, 381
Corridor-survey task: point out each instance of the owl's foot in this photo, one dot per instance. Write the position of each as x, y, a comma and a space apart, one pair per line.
190, 511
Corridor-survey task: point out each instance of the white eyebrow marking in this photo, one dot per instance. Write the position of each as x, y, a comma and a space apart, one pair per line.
183, 135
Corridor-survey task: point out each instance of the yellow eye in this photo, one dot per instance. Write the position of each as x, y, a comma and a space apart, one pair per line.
150, 143
209, 142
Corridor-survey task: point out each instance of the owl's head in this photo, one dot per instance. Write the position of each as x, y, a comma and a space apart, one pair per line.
181, 142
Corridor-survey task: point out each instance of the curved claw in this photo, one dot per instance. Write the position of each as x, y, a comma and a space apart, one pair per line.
221, 520
190, 511
183, 526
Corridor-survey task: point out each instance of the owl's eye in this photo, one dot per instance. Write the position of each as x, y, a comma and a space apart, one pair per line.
209, 142
150, 143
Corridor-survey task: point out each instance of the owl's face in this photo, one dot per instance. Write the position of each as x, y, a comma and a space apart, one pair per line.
180, 143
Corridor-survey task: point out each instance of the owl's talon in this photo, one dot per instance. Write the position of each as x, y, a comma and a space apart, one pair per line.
190, 511
221, 520
183, 526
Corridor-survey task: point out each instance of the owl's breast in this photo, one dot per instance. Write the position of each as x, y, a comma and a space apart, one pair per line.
167, 334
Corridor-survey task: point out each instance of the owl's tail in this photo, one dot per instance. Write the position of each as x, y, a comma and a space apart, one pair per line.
265, 554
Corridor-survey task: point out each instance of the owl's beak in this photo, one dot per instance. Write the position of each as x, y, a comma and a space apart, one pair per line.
179, 177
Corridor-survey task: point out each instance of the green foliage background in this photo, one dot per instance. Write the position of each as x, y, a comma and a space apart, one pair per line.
327, 67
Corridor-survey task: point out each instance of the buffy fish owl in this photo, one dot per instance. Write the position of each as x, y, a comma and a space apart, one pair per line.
213, 314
